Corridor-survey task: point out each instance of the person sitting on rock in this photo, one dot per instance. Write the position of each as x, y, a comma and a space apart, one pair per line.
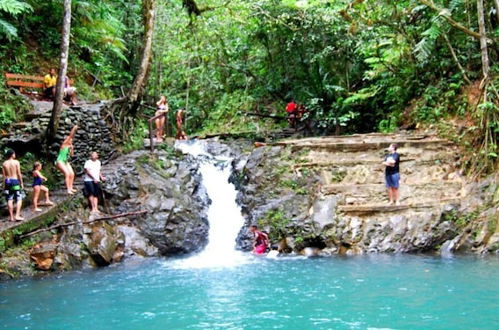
260, 240
49, 82
38, 186
392, 176
11, 171
92, 180
69, 92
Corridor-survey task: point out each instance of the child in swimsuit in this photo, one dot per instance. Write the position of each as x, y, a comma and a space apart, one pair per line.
38, 186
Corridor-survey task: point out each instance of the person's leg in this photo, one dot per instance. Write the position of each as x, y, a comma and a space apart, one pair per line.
71, 177
157, 123
62, 167
47, 197
18, 210
36, 195
162, 126
10, 205
96, 204
395, 194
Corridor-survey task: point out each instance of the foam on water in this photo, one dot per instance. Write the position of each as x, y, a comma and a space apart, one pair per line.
224, 215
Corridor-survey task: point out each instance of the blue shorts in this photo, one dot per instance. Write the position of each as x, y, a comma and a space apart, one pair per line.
392, 180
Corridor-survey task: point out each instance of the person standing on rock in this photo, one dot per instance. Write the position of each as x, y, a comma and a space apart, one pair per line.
62, 161
160, 122
38, 186
180, 133
392, 175
11, 170
92, 180
260, 240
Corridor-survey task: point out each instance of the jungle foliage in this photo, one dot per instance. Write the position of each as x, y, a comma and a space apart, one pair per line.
357, 65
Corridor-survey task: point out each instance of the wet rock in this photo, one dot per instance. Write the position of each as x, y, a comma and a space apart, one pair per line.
43, 255
104, 243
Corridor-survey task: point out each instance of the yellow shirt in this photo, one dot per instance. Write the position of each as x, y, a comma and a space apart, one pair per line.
49, 80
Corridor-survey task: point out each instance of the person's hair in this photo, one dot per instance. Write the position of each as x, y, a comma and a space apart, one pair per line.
9, 153
35, 165
394, 145
254, 226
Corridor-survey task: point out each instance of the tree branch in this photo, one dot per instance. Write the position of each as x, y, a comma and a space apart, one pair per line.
445, 14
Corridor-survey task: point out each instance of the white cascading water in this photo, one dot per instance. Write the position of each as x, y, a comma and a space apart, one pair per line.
224, 215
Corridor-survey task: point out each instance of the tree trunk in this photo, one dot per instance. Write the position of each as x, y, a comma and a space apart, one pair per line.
497, 9
483, 40
137, 90
57, 109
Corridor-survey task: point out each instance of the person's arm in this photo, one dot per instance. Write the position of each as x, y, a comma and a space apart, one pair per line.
3, 173
90, 175
41, 175
19, 174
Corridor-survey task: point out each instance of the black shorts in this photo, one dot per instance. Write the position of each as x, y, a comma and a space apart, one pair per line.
49, 91
92, 189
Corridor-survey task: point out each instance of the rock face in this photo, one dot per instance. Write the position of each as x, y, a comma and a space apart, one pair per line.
170, 190
167, 185
328, 194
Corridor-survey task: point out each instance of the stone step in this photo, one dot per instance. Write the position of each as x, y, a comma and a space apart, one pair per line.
378, 187
377, 193
372, 174
387, 208
360, 146
360, 138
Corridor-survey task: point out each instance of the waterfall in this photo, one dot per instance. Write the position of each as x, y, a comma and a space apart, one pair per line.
224, 215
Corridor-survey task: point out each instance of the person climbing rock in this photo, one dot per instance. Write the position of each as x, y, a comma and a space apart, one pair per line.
260, 240
11, 171
92, 180
392, 176
162, 109
38, 186
62, 161
180, 133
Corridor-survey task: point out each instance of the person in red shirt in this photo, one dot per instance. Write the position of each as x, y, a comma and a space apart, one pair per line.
291, 108
260, 240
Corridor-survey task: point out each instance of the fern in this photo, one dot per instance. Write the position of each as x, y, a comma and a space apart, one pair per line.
7, 29
455, 4
13, 8
424, 47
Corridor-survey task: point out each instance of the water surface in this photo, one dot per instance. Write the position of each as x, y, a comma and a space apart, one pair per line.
380, 291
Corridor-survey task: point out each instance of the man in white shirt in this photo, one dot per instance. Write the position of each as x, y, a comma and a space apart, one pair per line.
92, 180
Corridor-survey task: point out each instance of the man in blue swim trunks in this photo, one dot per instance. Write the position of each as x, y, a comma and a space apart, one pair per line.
11, 170
392, 175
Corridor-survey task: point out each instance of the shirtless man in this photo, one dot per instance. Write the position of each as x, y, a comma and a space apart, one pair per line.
11, 170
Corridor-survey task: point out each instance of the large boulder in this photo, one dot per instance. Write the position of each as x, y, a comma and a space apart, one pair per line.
169, 188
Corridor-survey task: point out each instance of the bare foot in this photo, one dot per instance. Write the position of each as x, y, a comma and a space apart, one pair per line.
38, 209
